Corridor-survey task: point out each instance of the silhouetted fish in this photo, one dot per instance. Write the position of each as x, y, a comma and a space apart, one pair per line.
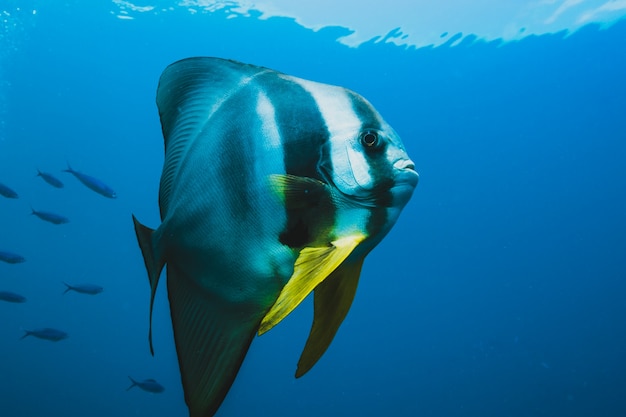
83, 288
46, 333
50, 179
92, 183
149, 385
11, 258
50, 217
7, 192
12, 297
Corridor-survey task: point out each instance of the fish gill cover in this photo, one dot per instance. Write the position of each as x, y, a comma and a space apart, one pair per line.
499, 292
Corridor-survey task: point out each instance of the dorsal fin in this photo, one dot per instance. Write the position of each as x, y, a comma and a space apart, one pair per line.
189, 92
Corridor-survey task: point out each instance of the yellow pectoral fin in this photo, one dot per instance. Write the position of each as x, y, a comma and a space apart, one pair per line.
312, 267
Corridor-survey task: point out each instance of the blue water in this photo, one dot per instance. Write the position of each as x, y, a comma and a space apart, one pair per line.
500, 292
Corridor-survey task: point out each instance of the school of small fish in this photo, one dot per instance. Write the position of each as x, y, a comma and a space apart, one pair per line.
9, 257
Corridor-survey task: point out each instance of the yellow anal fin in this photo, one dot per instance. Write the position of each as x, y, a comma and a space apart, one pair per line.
212, 338
312, 267
332, 300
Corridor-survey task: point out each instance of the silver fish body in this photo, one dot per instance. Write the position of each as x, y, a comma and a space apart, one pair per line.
7, 191
273, 187
46, 333
50, 179
92, 183
50, 217
11, 258
89, 289
148, 385
12, 297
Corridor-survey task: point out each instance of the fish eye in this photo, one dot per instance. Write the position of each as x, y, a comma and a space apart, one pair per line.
369, 139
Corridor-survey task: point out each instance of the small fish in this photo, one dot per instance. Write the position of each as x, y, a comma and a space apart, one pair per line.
273, 187
12, 297
50, 179
7, 192
83, 288
92, 183
46, 333
11, 258
50, 217
148, 385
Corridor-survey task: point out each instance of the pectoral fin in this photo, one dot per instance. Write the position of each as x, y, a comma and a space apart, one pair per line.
311, 268
299, 192
332, 300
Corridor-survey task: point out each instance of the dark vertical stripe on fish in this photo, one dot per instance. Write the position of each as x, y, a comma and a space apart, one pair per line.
380, 167
304, 136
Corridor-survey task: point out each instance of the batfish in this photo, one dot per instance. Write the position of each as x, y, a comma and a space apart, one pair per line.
273, 187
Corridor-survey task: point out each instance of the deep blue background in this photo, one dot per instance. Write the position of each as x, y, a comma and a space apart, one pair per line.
500, 292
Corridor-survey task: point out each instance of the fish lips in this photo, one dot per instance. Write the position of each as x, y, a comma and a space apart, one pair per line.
405, 181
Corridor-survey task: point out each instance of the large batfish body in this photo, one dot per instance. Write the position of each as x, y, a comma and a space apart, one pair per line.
273, 187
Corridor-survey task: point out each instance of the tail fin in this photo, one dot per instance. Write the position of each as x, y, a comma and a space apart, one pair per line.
133, 383
69, 168
69, 287
26, 334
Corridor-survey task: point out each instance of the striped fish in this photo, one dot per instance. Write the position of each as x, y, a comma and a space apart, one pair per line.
273, 187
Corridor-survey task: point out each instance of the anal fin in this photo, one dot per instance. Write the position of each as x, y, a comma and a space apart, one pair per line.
332, 300
313, 265
212, 339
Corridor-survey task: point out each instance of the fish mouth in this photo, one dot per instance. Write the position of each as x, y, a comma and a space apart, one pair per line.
405, 181
406, 175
